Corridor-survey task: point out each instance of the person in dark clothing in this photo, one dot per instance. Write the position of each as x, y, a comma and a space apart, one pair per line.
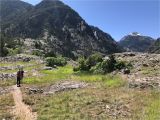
19, 77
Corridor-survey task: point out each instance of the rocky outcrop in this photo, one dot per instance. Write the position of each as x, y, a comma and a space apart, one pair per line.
64, 86
57, 87
7, 76
139, 60
145, 72
17, 58
146, 82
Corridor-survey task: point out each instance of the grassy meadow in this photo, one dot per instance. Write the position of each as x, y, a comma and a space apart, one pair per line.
106, 96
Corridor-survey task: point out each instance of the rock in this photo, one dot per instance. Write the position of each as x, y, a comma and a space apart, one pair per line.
145, 65
63, 86
35, 90
47, 68
146, 82
54, 66
129, 54
7, 76
126, 71
26, 59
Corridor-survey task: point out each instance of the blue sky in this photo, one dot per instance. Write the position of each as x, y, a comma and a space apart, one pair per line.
119, 17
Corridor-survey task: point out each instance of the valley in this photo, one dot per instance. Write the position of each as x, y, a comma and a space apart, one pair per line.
72, 70
61, 93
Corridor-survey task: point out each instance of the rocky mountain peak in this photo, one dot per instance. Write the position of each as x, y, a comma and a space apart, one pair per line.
136, 42
50, 3
135, 34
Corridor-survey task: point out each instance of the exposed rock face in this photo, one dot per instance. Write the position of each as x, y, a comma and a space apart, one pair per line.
136, 42
155, 48
60, 29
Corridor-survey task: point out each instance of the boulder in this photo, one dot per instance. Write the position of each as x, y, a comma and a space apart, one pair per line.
47, 68
26, 59
126, 71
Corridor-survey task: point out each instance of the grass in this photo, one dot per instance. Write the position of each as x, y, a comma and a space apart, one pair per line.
67, 73
153, 109
114, 81
4, 83
90, 104
48, 76
9, 64
24, 64
6, 102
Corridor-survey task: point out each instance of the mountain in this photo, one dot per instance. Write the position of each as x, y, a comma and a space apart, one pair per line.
11, 9
136, 42
155, 48
58, 27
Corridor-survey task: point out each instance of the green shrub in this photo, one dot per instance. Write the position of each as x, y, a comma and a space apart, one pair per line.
75, 69
95, 64
37, 53
129, 65
38, 44
86, 64
50, 54
120, 65
3, 52
15, 51
97, 69
94, 59
82, 64
59, 61
111, 63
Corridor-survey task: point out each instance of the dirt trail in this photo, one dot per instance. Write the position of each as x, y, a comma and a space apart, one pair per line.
22, 111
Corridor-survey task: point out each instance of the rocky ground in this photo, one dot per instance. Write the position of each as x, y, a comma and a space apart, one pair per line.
146, 69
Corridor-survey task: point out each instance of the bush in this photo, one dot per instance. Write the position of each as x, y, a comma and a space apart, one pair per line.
75, 69
97, 69
82, 65
111, 63
86, 64
50, 54
59, 61
120, 65
15, 51
94, 59
37, 53
96, 64
3, 52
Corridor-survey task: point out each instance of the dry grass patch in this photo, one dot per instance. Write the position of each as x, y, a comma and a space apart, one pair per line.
6, 104
94, 103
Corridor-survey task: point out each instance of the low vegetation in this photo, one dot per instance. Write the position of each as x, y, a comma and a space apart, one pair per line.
96, 103
107, 95
58, 61
6, 104
96, 64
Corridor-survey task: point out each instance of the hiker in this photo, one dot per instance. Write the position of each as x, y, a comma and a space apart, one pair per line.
19, 76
